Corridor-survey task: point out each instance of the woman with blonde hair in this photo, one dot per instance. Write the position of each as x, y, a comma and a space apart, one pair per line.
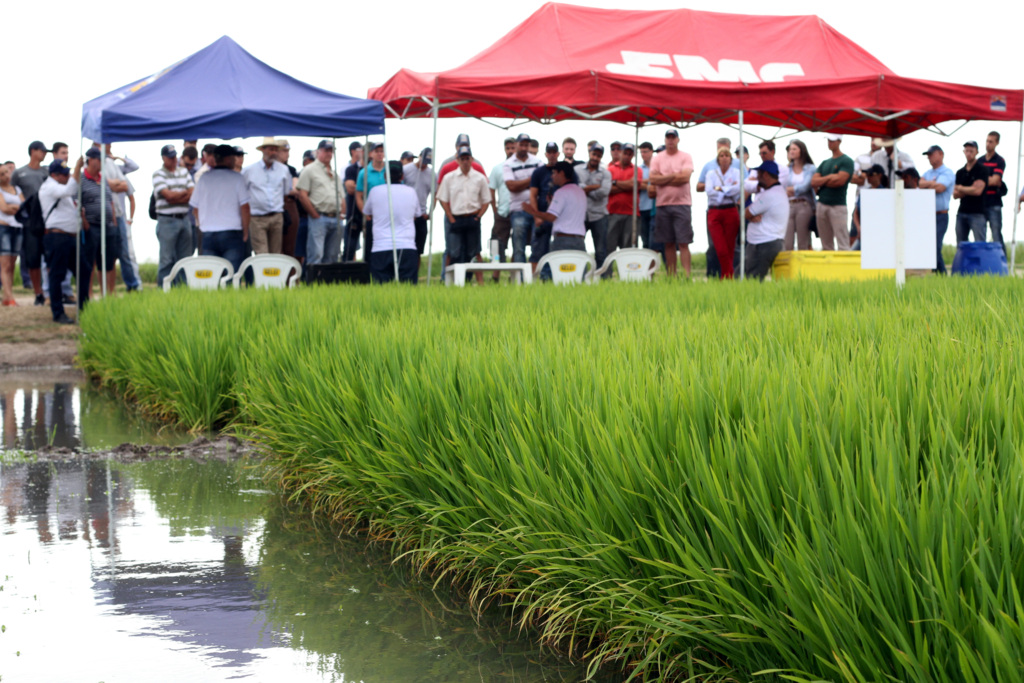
723, 189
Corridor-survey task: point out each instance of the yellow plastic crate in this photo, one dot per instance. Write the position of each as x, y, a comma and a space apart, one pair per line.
824, 265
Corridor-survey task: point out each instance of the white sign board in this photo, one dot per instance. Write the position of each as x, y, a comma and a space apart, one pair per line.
878, 224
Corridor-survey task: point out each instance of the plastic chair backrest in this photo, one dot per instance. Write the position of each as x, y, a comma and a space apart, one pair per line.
568, 266
634, 264
270, 270
202, 272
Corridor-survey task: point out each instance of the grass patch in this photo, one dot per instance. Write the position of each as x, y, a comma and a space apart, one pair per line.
814, 481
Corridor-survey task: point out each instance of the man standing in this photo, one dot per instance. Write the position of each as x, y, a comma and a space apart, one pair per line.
534, 146
57, 201
766, 150
172, 186
353, 216
369, 178
941, 179
971, 182
883, 157
673, 225
419, 176
646, 201
501, 203
516, 172
567, 211
99, 237
207, 160
404, 206
620, 200
541, 190
994, 190
319, 189
596, 182
616, 150
464, 196
30, 178
291, 202
831, 179
569, 152
766, 221
116, 175
267, 182
222, 210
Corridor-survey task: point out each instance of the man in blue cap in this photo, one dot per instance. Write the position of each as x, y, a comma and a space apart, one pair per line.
61, 216
767, 218
173, 186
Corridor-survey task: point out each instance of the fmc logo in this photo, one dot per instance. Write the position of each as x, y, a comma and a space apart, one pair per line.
692, 68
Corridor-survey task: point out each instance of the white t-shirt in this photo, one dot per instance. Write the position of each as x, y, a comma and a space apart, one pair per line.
404, 204
515, 169
219, 196
569, 204
772, 206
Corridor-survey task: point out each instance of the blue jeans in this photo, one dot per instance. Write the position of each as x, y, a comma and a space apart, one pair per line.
301, 235
60, 257
522, 222
464, 239
322, 233
382, 266
541, 242
128, 273
227, 244
994, 216
175, 236
941, 225
599, 232
970, 223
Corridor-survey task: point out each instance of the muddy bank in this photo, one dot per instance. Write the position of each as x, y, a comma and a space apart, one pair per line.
223, 448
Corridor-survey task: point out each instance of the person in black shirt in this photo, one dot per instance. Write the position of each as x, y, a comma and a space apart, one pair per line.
994, 189
971, 181
353, 216
541, 189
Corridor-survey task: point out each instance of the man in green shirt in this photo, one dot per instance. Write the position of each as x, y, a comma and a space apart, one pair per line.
831, 181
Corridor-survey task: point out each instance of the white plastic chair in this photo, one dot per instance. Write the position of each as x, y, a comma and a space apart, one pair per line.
202, 272
270, 270
568, 266
635, 265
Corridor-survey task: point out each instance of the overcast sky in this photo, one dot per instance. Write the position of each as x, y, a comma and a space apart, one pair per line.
78, 53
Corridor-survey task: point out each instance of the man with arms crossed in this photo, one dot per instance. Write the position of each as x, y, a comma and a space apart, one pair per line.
673, 226
831, 179
971, 182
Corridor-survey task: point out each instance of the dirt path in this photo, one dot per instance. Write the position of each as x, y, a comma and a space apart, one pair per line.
219, 448
30, 339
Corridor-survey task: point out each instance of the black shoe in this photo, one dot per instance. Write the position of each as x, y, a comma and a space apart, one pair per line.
136, 290
62, 319
69, 299
40, 299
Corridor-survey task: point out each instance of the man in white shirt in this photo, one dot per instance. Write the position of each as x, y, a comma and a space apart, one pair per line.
60, 214
268, 182
517, 172
221, 206
419, 176
766, 221
883, 157
766, 150
465, 197
401, 240
567, 211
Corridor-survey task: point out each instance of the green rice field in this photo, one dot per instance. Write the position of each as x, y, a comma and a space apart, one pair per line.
688, 481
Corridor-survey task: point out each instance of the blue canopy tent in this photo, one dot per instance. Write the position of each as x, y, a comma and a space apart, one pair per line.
224, 92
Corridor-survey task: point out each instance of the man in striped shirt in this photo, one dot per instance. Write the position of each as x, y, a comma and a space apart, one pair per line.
172, 186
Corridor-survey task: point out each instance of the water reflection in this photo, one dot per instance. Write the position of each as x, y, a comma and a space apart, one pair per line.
195, 569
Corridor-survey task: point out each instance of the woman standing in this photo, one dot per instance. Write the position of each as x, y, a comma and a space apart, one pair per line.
723, 188
10, 234
801, 196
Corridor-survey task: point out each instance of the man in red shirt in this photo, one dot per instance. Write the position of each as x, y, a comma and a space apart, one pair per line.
620, 200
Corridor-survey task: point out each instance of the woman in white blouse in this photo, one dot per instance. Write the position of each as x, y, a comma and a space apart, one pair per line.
801, 196
723, 189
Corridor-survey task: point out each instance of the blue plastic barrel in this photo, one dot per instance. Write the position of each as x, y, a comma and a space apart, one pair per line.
980, 258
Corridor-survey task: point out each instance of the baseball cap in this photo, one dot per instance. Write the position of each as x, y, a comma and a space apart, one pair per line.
239, 152
660, 149
522, 137
616, 144
464, 150
59, 166
933, 148
353, 146
971, 143
910, 172
672, 132
93, 153
407, 155
551, 147
463, 139
876, 169
309, 154
769, 167
223, 151
325, 144
168, 151
37, 144
598, 147
374, 146
427, 155
832, 137
629, 146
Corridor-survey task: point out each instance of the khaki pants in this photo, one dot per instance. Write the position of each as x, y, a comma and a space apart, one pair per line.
832, 227
265, 233
799, 226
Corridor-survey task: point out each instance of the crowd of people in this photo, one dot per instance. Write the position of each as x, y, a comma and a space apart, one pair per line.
207, 200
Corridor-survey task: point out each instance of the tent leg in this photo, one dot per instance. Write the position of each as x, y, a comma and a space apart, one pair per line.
743, 209
637, 177
103, 234
78, 243
433, 199
337, 200
900, 228
391, 211
1013, 253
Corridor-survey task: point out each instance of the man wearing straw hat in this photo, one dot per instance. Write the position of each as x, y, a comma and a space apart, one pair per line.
268, 182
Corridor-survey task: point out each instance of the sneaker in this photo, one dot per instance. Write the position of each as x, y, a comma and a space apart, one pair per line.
40, 299
69, 299
63, 319
10, 302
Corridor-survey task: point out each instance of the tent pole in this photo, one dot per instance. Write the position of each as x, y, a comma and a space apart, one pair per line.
78, 241
337, 196
900, 228
433, 200
743, 209
103, 234
366, 193
391, 211
637, 176
1013, 254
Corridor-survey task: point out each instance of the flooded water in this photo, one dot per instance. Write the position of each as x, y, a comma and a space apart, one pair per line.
176, 570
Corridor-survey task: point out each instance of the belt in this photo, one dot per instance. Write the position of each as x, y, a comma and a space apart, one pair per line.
464, 215
945, 211
328, 215
565, 234
723, 206
172, 215
272, 213
55, 231
798, 199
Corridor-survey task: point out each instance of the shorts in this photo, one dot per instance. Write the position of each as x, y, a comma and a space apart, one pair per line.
672, 225
10, 240
32, 248
421, 233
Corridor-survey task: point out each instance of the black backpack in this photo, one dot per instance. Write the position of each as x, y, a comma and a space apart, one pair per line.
30, 215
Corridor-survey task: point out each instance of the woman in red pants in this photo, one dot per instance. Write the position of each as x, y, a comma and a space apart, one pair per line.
723, 188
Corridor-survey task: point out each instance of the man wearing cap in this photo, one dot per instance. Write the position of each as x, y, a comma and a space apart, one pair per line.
883, 158
320, 191
221, 202
94, 196
461, 141
239, 158
353, 216
596, 182
267, 182
831, 179
173, 187
29, 178
941, 179
567, 211
767, 219
994, 190
541, 189
206, 161
464, 196
420, 177
57, 197
501, 203
620, 200
403, 207
517, 172
646, 200
673, 224
970, 184
616, 151
369, 178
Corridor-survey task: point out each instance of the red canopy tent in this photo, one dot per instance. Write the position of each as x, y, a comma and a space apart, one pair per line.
685, 67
